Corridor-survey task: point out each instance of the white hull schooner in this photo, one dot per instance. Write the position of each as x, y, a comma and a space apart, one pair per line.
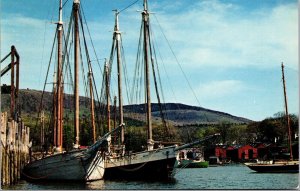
78, 164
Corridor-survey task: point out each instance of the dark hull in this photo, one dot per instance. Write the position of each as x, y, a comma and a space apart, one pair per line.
152, 170
270, 168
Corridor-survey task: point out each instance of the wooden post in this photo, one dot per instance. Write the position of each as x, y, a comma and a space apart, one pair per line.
19, 146
27, 143
3, 147
12, 93
8, 153
15, 151
12, 151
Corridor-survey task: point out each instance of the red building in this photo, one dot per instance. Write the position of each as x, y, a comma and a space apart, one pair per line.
247, 152
220, 152
234, 153
217, 150
240, 153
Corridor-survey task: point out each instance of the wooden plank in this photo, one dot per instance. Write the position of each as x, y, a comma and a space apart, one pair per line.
3, 143
8, 166
19, 151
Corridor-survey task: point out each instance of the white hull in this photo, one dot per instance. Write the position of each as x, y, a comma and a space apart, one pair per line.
80, 165
96, 169
75, 165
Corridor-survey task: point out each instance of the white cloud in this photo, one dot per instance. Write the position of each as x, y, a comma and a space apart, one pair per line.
217, 34
219, 89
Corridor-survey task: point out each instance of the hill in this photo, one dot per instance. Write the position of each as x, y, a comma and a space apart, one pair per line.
175, 113
181, 114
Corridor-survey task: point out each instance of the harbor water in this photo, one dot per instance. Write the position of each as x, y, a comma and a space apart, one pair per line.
220, 177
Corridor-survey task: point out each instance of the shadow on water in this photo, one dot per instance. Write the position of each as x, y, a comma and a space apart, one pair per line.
47, 185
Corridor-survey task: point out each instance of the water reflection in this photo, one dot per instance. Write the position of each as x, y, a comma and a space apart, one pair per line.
95, 185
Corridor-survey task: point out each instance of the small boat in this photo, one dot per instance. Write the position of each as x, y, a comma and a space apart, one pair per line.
191, 158
274, 167
289, 166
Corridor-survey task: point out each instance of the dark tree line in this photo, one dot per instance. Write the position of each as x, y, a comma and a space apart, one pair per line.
269, 130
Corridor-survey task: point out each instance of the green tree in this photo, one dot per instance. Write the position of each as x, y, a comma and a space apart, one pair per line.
223, 128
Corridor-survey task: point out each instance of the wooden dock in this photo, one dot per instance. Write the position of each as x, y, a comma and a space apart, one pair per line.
14, 149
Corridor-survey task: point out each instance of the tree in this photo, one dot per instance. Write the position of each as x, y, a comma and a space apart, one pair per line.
223, 128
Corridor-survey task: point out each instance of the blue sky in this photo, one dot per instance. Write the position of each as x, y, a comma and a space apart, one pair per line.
230, 50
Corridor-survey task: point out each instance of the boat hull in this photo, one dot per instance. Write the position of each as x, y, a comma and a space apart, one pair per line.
75, 165
149, 165
274, 168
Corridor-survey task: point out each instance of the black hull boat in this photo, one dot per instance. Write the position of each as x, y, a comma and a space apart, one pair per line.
157, 164
153, 170
291, 166
281, 167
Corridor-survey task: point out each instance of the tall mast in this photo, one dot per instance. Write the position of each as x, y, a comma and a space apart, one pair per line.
76, 70
117, 36
92, 104
107, 95
287, 113
145, 15
59, 91
54, 109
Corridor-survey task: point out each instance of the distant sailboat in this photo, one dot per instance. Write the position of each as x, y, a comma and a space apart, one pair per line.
291, 166
79, 164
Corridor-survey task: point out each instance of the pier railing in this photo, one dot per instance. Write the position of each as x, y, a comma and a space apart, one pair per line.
14, 149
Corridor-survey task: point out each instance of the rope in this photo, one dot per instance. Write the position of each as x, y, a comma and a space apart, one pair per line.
180, 66
156, 87
65, 3
127, 82
129, 6
42, 97
90, 37
94, 164
43, 50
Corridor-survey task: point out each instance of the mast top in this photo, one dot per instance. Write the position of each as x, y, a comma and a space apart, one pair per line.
116, 20
106, 66
145, 5
60, 22
287, 113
